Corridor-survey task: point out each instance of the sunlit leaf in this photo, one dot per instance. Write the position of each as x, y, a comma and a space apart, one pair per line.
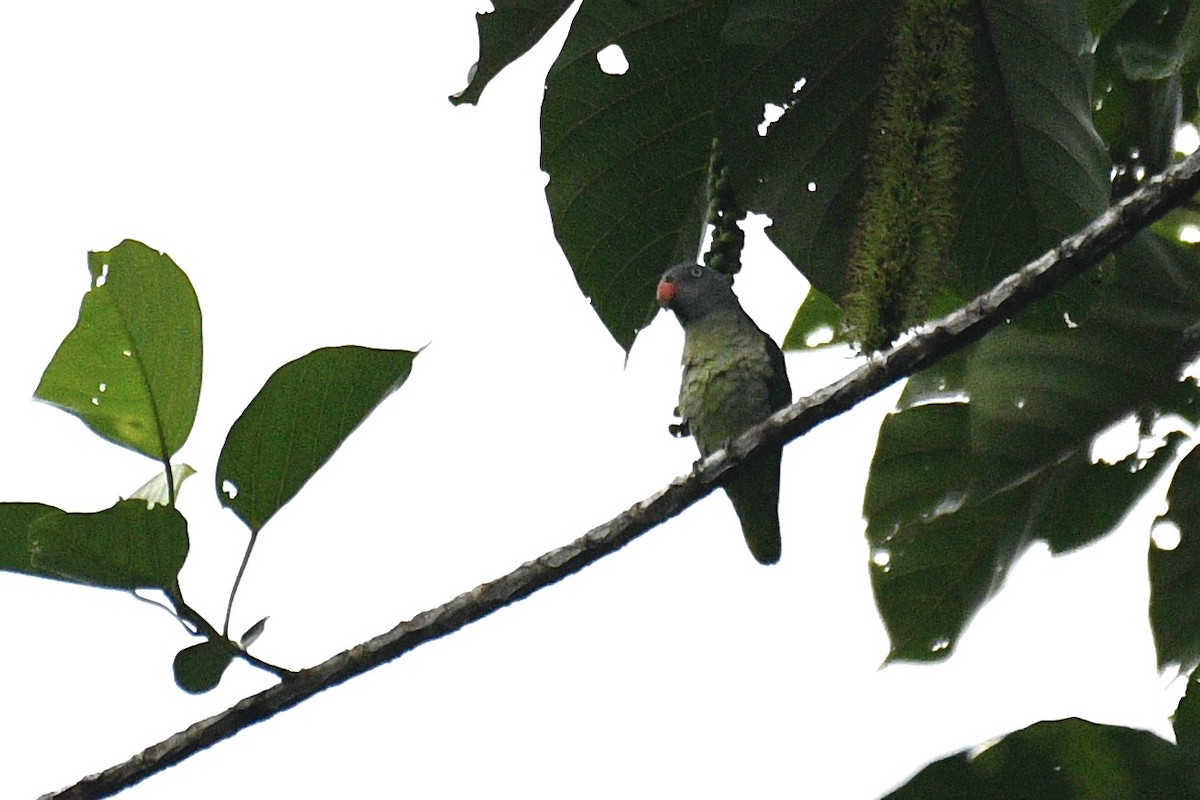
131, 367
156, 491
298, 420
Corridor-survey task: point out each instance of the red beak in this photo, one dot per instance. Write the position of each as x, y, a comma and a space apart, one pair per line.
665, 293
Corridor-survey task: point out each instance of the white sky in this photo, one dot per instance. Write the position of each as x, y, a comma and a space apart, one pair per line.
301, 163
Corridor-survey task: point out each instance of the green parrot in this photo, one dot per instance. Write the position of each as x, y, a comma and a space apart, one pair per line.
733, 378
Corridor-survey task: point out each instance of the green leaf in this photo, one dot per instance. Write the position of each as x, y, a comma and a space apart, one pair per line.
992, 449
1175, 573
1186, 719
1103, 14
816, 314
131, 367
505, 34
1066, 759
940, 546
127, 546
819, 63
15, 519
1155, 39
297, 420
1080, 501
1037, 396
199, 668
1038, 169
1140, 97
627, 155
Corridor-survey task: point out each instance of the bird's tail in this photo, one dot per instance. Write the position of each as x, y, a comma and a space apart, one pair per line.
754, 491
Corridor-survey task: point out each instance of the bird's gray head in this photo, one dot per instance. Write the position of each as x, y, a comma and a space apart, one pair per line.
693, 291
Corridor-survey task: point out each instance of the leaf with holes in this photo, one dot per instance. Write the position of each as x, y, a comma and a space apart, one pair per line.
298, 420
1038, 171
627, 154
998, 456
131, 367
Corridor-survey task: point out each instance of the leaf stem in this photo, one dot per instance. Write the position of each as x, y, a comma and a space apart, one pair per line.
238, 580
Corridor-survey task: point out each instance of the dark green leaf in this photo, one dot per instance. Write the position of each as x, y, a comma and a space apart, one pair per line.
199, 668
1079, 500
297, 420
1103, 14
1175, 573
505, 34
958, 489
951, 778
127, 546
131, 367
1139, 91
1066, 759
816, 314
1035, 396
15, 519
1186, 719
627, 154
820, 63
1155, 39
1037, 170
938, 549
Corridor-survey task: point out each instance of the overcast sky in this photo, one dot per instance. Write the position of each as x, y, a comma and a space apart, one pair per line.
301, 163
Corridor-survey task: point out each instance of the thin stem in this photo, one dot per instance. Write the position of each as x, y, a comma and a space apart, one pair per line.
170, 482
238, 580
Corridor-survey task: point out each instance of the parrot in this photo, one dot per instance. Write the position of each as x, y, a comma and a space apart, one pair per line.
733, 378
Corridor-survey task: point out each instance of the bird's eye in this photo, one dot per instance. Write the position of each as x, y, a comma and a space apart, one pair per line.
697, 272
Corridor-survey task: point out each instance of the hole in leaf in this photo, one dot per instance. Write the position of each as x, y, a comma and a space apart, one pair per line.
822, 335
612, 60
771, 115
1166, 536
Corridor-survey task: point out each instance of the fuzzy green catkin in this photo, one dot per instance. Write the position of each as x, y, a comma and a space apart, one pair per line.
907, 216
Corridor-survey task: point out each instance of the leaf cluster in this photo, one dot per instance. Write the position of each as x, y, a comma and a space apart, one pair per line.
1069, 105
131, 371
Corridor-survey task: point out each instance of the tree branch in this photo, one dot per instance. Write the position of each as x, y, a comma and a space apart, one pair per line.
1038, 278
